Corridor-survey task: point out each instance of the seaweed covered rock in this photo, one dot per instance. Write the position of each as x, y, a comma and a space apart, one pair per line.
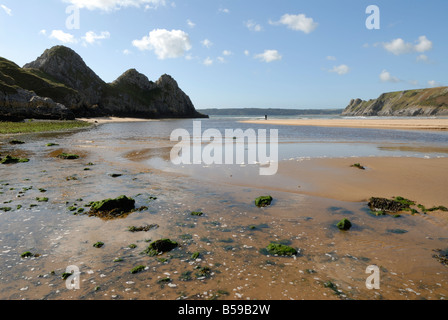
263, 201
280, 249
344, 224
160, 246
9, 159
388, 205
68, 156
112, 208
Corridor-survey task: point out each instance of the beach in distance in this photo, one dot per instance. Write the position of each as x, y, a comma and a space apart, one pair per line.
364, 122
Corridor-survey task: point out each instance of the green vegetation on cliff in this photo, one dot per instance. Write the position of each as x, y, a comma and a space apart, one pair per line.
12, 77
420, 102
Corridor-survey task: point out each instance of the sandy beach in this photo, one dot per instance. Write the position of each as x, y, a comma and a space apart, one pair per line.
102, 120
402, 124
419, 179
46, 204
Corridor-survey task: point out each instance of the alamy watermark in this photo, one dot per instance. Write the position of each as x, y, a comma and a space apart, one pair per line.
373, 281
73, 281
73, 21
373, 20
212, 147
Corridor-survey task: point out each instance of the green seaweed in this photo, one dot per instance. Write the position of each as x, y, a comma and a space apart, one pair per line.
65, 275
404, 201
438, 208
26, 254
142, 228
160, 246
263, 201
344, 224
185, 276
98, 244
164, 280
203, 272
68, 156
358, 165
280, 249
195, 255
15, 141
137, 269
122, 202
10, 159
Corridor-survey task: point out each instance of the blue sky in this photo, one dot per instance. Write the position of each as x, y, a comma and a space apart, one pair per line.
250, 53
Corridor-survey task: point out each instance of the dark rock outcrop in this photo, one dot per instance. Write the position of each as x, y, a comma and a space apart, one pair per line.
422, 102
59, 85
24, 104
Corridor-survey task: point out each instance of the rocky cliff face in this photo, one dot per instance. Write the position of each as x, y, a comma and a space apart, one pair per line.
134, 94
68, 68
61, 75
24, 104
422, 102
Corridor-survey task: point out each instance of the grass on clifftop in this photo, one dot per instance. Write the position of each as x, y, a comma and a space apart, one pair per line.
40, 126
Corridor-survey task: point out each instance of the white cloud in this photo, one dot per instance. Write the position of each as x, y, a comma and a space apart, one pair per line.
165, 44
423, 58
207, 43
227, 53
127, 52
399, 46
191, 24
331, 58
385, 76
224, 10
62, 36
221, 59
109, 5
299, 22
246, 53
269, 56
208, 61
253, 26
91, 37
433, 83
43, 32
341, 70
423, 44
6, 9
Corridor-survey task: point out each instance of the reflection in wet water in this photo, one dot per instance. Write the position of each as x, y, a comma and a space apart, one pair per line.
219, 252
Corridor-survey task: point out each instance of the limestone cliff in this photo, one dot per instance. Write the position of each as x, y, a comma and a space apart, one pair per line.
18, 100
61, 76
421, 102
134, 94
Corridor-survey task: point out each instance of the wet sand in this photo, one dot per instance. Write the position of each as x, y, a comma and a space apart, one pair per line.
415, 178
230, 234
401, 124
